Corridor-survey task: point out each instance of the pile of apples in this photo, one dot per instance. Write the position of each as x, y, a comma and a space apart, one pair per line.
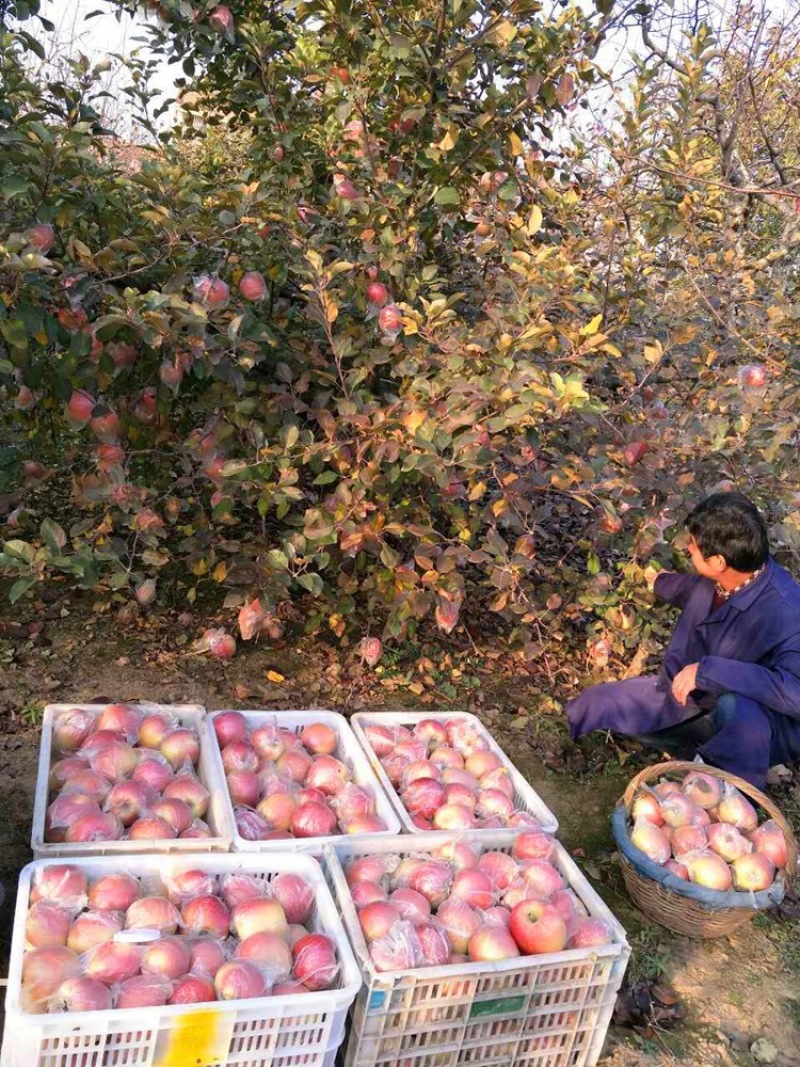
456, 905
285, 785
124, 774
447, 776
707, 832
186, 938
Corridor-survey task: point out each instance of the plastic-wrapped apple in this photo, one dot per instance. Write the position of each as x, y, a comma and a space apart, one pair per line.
64, 769
313, 820
769, 840
114, 892
365, 824
364, 893
459, 921
240, 980
278, 809
394, 766
294, 764
190, 790
43, 971
491, 943
688, 839
154, 729
494, 802
482, 763
499, 780
62, 884
47, 925
474, 887
183, 886
460, 855
243, 787
382, 740
424, 797
237, 888
93, 928
122, 718
169, 956
454, 817
230, 726
89, 782
568, 905
753, 872
176, 813
206, 915
587, 932
353, 802
239, 756
399, 950
500, 868
433, 879
179, 747
708, 869
651, 840
678, 869
250, 825
459, 795
100, 826
542, 876
411, 905
127, 800
367, 869
152, 912
533, 845
702, 789
153, 771
431, 731
433, 939
319, 739
113, 961
737, 810
727, 841
197, 831
294, 894
63, 812
267, 742
253, 916
328, 774
377, 919
81, 994
646, 806
151, 828
192, 989
71, 727
454, 776
443, 756
315, 963
270, 950
99, 739
207, 955
419, 769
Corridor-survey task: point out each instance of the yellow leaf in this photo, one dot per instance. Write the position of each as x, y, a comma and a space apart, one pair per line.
652, 354
611, 349
200, 568
448, 142
592, 327
413, 420
274, 676
535, 220
220, 572
515, 144
477, 491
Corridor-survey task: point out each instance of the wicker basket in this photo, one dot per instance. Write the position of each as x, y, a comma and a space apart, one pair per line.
672, 908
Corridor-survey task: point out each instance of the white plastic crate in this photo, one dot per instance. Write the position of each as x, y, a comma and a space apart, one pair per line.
525, 796
533, 1011
348, 750
281, 1031
218, 817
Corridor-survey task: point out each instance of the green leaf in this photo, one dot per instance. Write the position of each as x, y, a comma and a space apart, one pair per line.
20, 588
447, 196
52, 535
311, 582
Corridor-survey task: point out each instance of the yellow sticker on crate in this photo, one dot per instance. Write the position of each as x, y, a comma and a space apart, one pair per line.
198, 1039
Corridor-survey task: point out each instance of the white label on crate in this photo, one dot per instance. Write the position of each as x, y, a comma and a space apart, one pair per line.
141, 935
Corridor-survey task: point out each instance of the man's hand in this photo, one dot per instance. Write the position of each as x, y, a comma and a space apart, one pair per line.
684, 683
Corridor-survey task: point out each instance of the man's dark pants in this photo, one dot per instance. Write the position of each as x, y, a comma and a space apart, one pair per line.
745, 737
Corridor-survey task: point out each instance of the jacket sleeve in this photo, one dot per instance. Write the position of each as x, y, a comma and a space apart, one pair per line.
675, 588
776, 687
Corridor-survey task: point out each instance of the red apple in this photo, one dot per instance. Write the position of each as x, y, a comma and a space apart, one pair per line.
492, 943
537, 927
769, 840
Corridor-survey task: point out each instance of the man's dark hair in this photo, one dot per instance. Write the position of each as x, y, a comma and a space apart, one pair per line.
731, 526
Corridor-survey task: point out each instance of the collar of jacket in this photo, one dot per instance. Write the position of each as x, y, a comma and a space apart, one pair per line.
741, 601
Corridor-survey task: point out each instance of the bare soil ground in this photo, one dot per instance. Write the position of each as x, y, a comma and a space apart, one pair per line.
732, 995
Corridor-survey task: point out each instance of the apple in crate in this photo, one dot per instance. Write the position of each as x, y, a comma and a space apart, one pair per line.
537, 927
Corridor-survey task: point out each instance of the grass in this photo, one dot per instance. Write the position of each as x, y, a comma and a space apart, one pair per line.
31, 714
650, 957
